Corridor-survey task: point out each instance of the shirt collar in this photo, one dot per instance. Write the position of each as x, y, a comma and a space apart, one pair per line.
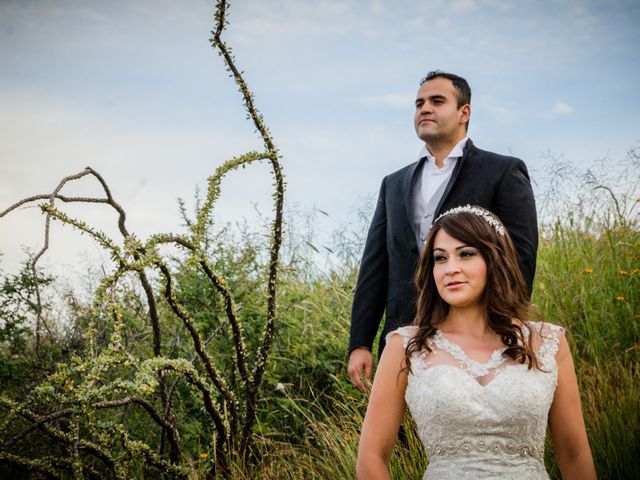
455, 152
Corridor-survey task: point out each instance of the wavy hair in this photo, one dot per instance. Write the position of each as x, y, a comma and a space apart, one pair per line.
505, 298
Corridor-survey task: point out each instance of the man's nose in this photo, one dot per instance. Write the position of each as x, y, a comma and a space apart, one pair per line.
426, 108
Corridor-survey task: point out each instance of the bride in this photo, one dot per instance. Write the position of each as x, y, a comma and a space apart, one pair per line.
480, 380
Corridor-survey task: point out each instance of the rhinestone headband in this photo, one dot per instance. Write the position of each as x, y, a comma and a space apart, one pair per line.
480, 212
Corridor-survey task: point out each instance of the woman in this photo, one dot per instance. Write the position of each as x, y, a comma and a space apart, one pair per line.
480, 380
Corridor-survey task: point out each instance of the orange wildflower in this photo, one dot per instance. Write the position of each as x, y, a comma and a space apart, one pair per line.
620, 298
623, 273
588, 270
204, 455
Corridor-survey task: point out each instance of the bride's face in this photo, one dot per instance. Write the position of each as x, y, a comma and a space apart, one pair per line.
459, 271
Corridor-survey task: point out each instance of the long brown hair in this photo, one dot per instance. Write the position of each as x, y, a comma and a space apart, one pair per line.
505, 297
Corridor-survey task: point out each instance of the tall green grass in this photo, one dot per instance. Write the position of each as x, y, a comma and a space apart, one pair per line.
588, 280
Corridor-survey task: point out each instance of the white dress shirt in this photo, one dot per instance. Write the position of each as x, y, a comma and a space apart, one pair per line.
429, 186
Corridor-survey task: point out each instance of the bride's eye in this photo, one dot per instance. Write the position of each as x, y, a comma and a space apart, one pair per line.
439, 258
468, 253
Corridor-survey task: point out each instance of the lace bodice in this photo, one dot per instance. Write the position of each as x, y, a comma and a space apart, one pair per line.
482, 420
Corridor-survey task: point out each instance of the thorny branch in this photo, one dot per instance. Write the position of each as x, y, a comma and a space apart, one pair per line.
276, 240
233, 424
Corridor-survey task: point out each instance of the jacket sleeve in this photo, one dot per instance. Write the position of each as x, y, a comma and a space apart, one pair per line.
515, 206
371, 289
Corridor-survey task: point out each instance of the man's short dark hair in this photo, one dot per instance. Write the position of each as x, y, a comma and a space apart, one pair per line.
463, 90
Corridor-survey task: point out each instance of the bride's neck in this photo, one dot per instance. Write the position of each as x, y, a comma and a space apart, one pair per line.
467, 320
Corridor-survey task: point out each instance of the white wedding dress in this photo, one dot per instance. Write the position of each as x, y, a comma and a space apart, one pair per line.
482, 420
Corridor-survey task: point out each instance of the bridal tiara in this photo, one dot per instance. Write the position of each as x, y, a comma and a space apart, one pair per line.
480, 212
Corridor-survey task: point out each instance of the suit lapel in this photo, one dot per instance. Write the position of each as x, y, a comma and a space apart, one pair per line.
407, 187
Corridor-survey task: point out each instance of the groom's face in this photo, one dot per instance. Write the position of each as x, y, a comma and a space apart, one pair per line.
437, 116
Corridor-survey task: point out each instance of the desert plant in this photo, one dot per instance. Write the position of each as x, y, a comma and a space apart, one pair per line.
76, 405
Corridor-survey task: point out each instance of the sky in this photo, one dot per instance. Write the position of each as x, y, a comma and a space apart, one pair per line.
134, 90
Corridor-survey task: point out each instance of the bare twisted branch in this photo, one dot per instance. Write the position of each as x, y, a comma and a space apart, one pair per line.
276, 240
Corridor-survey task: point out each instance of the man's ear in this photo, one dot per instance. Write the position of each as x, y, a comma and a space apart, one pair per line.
465, 111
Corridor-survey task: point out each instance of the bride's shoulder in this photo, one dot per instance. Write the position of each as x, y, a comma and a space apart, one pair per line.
406, 333
545, 329
548, 339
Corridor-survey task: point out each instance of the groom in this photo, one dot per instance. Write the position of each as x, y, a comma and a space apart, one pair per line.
450, 172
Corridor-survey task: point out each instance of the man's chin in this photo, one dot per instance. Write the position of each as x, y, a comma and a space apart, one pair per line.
428, 137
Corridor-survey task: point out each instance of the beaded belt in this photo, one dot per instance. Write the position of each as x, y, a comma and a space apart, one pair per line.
495, 447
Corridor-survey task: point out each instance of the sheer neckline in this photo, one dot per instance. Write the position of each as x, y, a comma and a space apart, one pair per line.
474, 367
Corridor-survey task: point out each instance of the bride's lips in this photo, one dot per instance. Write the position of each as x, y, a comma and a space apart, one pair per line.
454, 284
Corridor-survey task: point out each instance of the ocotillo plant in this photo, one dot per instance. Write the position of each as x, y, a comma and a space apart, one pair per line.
70, 405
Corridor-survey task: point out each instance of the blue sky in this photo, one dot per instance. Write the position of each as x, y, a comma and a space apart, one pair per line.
134, 89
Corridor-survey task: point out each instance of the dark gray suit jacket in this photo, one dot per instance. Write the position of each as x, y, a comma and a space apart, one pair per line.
496, 182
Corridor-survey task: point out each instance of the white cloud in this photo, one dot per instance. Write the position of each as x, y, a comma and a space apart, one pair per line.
414, 23
402, 100
501, 113
377, 7
286, 18
497, 111
498, 5
463, 5
562, 108
443, 22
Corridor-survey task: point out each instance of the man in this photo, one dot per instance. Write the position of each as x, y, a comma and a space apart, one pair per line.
450, 172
